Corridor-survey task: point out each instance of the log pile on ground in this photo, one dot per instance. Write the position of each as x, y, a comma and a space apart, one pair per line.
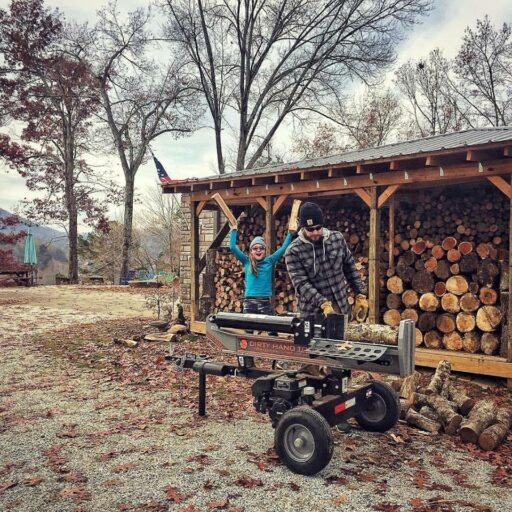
450, 255
441, 407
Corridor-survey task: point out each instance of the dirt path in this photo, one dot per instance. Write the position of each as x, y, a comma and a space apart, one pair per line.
86, 425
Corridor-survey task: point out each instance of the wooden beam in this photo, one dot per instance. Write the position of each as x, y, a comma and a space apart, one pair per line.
391, 232
455, 172
501, 184
278, 203
363, 194
507, 151
386, 195
373, 259
261, 201
200, 207
194, 262
225, 208
478, 156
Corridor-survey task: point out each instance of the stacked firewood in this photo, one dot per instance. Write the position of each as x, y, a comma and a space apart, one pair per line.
449, 282
441, 407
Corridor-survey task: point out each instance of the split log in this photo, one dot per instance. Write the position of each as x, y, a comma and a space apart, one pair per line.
440, 376
471, 342
428, 302
450, 303
410, 298
409, 314
446, 323
489, 343
488, 318
440, 288
432, 339
426, 321
452, 341
429, 413
392, 317
469, 303
457, 285
465, 322
419, 337
488, 296
449, 418
494, 435
416, 419
463, 403
481, 416
410, 385
423, 282
395, 285
372, 333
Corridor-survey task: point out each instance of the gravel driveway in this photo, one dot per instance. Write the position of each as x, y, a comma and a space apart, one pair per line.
86, 425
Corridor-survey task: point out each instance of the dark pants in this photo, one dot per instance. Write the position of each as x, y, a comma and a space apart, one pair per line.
258, 305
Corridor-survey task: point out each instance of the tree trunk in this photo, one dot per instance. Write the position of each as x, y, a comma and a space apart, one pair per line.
128, 224
494, 435
480, 417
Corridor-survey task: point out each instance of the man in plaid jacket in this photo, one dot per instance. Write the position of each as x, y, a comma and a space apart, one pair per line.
321, 265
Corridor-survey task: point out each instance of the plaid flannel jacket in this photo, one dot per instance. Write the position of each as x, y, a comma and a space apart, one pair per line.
320, 272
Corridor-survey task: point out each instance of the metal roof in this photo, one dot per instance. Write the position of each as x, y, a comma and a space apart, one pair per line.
432, 144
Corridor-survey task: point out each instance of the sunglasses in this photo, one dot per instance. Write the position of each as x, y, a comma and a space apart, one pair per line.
258, 248
313, 228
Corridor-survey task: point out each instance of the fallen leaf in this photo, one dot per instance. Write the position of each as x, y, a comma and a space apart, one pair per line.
174, 495
189, 508
122, 468
218, 504
77, 493
294, 486
339, 500
7, 485
112, 482
74, 476
32, 482
248, 482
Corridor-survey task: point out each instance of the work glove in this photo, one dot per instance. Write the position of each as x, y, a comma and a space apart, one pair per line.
327, 308
361, 307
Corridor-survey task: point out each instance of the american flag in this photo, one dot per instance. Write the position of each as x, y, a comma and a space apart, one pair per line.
162, 175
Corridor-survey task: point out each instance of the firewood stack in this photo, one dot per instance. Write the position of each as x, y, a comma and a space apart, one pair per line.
441, 407
449, 271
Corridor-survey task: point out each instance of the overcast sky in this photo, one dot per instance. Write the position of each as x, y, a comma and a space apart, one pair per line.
195, 156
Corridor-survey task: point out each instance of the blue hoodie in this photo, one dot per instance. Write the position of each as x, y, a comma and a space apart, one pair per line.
260, 285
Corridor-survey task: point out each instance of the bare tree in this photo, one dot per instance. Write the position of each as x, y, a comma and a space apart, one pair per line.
425, 85
483, 68
141, 98
282, 56
323, 141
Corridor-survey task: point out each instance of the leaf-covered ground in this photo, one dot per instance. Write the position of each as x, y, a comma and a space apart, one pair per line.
88, 425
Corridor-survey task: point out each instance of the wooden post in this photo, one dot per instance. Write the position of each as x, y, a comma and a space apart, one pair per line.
391, 232
373, 260
194, 262
509, 312
270, 228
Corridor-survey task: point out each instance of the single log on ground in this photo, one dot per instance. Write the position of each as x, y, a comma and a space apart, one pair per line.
423, 282
442, 373
457, 285
372, 333
487, 273
405, 405
429, 413
449, 418
419, 337
410, 298
465, 322
469, 303
488, 296
471, 342
428, 302
426, 321
392, 317
432, 339
449, 243
481, 416
494, 435
450, 303
416, 419
465, 248
452, 341
410, 385
393, 301
469, 263
489, 343
440, 288
438, 252
442, 271
395, 285
453, 255
409, 314
446, 323
488, 318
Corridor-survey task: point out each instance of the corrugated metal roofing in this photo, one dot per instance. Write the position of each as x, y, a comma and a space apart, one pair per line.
435, 143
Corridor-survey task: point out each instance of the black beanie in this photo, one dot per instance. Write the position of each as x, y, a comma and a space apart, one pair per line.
311, 215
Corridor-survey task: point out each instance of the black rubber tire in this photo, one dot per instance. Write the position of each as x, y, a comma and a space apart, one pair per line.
318, 433
385, 398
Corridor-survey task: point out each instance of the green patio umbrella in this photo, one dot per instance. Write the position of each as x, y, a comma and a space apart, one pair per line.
30, 257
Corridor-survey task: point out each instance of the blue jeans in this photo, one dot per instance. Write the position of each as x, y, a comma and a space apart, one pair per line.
258, 305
